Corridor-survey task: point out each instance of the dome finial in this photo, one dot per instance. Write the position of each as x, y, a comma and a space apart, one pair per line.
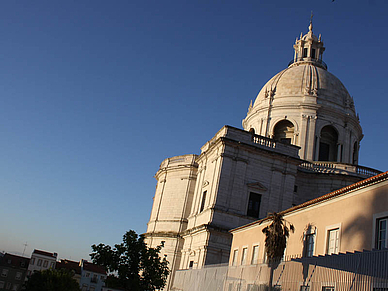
311, 22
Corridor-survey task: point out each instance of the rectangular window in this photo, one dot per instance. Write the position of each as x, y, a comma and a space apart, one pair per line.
254, 205
45, 264
32, 262
328, 288
18, 276
382, 227
333, 241
305, 52
244, 256
255, 255
52, 265
309, 245
39, 262
203, 201
9, 285
313, 53
235, 255
15, 287
1, 284
94, 279
4, 273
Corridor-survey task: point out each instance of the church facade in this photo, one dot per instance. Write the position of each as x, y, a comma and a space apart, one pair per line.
300, 140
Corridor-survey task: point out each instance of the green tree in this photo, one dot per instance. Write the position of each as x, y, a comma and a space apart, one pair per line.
276, 235
132, 265
52, 280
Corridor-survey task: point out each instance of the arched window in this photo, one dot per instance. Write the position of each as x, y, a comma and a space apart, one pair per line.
328, 144
252, 131
284, 131
355, 153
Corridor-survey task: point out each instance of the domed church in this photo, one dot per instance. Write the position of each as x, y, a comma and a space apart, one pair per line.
300, 140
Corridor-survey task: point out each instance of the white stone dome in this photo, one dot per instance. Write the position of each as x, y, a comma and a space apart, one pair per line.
306, 79
309, 107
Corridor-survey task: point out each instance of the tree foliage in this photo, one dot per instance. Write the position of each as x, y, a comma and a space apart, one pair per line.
276, 235
52, 280
132, 265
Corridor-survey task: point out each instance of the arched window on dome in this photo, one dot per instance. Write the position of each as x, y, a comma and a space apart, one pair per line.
252, 131
284, 131
355, 153
328, 144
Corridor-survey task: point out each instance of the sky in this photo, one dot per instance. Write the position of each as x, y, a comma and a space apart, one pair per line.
96, 94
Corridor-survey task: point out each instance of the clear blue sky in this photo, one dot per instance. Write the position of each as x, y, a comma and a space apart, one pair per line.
95, 94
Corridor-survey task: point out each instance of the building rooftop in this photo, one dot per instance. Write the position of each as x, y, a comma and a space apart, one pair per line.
14, 261
44, 253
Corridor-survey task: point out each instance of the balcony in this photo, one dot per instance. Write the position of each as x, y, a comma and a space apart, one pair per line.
339, 168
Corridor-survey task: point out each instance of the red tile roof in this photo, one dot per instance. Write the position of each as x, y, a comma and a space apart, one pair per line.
378, 178
94, 268
15, 261
43, 253
68, 265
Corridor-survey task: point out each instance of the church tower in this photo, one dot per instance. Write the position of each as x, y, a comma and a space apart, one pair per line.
300, 141
307, 106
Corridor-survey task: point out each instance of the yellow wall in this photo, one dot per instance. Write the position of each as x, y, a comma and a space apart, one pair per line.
354, 213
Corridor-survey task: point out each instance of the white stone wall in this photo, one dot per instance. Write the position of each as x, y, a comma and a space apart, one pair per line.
172, 203
230, 167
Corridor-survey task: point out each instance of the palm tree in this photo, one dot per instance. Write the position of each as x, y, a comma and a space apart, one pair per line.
276, 235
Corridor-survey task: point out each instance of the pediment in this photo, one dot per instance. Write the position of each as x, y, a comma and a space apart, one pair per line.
256, 186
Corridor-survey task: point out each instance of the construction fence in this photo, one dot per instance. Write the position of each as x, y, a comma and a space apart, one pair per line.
366, 270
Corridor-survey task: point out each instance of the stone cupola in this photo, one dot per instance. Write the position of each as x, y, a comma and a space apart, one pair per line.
309, 49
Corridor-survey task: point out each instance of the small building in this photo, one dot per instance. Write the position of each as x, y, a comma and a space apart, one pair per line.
41, 260
13, 271
92, 276
353, 218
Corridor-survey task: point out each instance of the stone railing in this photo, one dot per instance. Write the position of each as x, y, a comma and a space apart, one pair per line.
339, 168
246, 137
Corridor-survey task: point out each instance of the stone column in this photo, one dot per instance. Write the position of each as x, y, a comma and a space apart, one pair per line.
338, 152
311, 132
317, 141
303, 137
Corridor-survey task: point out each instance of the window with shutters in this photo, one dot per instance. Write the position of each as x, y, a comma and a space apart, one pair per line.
382, 227
333, 241
255, 255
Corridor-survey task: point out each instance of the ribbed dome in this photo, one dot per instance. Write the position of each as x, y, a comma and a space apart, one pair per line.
305, 79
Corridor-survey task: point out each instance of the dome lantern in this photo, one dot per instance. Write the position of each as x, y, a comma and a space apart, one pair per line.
308, 49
